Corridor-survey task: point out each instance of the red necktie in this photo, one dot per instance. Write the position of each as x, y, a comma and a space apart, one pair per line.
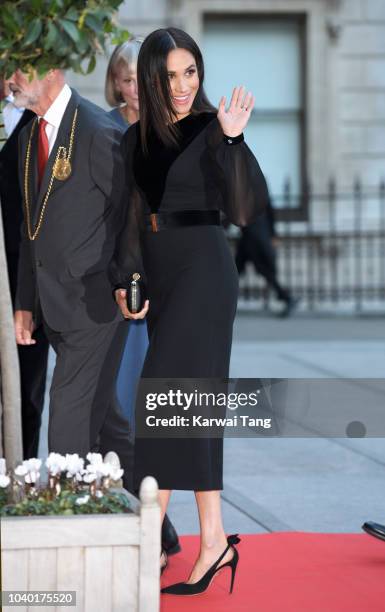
42, 149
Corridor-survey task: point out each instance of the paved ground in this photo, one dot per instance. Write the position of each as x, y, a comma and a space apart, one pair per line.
329, 484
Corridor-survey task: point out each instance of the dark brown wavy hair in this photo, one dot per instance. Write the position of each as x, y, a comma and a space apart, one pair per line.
157, 113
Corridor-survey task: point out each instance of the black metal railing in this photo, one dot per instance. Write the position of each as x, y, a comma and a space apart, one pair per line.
332, 259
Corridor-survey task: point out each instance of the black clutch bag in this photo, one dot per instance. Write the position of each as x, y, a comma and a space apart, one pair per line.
136, 294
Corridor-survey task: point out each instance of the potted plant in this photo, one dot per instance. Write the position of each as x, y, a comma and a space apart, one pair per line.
76, 532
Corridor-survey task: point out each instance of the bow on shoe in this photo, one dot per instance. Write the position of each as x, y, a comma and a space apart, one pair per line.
233, 539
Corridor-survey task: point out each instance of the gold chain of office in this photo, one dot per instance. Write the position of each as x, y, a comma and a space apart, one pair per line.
61, 170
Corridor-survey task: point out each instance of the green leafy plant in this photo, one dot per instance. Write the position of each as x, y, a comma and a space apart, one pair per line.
66, 504
3, 498
39, 35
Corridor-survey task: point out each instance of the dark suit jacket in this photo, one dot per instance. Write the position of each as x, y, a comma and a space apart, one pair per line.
11, 200
66, 268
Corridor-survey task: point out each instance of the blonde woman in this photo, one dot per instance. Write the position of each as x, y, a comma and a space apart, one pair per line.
121, 89
121, 92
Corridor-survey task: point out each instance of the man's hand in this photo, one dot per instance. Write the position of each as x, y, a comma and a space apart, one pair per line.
24, 327
120, 297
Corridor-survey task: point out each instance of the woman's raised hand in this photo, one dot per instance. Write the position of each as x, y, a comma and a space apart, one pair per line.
234, 120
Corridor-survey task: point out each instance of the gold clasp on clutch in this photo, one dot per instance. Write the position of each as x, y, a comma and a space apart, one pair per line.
154, 224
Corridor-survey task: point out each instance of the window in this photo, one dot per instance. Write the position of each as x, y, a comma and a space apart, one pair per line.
264, 53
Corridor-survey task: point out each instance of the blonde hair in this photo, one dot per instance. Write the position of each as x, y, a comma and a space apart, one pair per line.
125, 55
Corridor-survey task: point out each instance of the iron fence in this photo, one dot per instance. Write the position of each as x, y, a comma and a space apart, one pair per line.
332, 259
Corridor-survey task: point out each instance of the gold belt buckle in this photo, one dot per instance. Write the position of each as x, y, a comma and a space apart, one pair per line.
154, 224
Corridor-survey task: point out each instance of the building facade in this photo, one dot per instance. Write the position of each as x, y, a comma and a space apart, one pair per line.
317, 69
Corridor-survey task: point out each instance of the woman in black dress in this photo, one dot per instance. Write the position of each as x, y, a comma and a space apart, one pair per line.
186, 161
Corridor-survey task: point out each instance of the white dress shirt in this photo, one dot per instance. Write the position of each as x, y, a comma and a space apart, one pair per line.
55, 113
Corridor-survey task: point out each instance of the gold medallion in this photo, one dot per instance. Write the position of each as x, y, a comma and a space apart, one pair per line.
136, 276
62, 169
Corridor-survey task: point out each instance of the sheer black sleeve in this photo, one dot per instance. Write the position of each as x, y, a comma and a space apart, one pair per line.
240, 179
127, 258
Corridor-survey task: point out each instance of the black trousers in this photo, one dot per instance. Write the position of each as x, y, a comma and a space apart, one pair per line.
33, 373
84, 413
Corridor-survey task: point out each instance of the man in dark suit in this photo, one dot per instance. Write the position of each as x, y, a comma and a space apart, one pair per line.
257, 244
72, 214
73, 178
32, 360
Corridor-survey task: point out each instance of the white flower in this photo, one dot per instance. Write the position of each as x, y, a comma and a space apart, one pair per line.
74, 464
55, 463
82, 500
116, 473
30, 470
33, 465
4, 481
102, 469
89, 477
32, 477
21, 470
95, 458
97, 468
3, 467
108, 470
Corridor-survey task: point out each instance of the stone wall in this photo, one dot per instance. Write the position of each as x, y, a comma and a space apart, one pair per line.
361, 91
345, 64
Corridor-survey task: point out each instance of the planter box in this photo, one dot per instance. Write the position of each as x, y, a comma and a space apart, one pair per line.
111, 561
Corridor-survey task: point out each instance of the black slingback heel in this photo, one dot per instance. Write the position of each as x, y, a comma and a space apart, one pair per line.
183, 588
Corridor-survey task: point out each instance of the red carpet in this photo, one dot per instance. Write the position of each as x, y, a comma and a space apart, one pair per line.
289, 572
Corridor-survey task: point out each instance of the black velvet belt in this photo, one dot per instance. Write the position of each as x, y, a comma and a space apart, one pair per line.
181, 218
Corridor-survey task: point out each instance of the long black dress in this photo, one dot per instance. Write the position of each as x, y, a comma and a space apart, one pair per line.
191, 277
